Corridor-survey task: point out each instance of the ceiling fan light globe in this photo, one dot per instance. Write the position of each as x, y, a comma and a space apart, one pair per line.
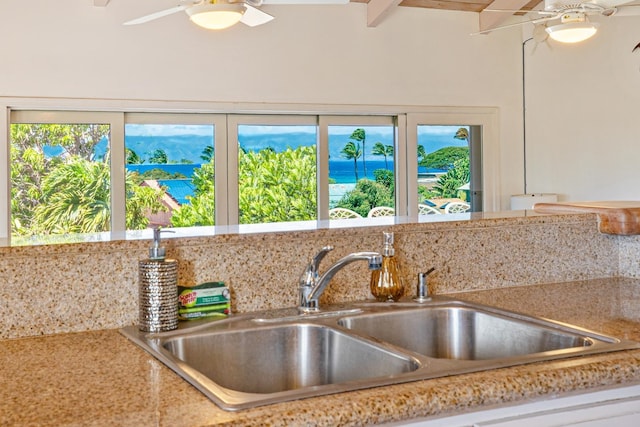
572, 32
216, 16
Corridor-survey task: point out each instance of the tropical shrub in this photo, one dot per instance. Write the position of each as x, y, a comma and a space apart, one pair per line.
366, 195
448, 184
201, 207
276, 187
444, 158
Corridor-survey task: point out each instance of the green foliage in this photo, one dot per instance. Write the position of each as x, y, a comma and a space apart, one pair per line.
207, 154
201, 207
273, 187
67, 193
157, 173
385, 177
444, 158
276, 187
158, 157
29, 164
448, 184
76, 199
140, 201
366, 195
132, 157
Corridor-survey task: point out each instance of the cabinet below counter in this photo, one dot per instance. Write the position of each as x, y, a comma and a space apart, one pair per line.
100, 378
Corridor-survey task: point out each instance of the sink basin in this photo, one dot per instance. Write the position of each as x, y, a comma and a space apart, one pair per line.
281, 358
279, 355
465, 333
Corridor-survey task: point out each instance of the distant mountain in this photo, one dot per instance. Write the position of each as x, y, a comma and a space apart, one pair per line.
178, 147
190, 147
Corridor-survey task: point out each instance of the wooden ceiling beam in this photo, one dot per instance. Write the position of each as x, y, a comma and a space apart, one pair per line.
489, 20
377, 10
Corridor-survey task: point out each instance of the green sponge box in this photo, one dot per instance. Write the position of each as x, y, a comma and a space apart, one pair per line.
208, 299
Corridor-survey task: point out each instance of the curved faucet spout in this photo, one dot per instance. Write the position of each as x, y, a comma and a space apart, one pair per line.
312, 291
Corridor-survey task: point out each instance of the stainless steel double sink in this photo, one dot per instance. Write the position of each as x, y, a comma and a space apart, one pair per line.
274, 356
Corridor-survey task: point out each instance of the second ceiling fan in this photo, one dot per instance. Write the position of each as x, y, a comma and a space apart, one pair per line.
574, 25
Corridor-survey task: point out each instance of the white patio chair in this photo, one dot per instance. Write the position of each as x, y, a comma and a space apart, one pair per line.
381, 211
457, 207
343, 213
427, 210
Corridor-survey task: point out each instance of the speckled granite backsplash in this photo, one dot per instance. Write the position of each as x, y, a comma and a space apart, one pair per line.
92, 286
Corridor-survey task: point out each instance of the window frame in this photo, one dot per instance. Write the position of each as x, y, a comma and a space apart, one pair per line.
405, 119
487, 120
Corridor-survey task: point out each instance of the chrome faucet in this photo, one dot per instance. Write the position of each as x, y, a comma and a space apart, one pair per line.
312, 284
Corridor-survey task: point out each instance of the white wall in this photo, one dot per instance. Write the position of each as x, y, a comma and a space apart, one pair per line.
308, 54
583, 106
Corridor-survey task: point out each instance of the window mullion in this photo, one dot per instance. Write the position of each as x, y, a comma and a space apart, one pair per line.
403, 166
5, 177
322, 168
118, 176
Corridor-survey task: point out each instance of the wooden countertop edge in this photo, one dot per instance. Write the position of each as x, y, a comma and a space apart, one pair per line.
613, 217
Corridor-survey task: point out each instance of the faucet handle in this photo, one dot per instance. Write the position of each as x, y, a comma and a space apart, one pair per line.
315, 261
310, 273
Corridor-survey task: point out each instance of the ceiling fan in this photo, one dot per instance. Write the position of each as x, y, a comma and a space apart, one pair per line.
574, 25
220, 14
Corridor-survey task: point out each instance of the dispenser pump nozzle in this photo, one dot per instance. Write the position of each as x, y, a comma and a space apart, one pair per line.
157, 252
388, 249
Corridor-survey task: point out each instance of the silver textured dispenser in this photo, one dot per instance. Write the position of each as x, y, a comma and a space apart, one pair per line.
158, 289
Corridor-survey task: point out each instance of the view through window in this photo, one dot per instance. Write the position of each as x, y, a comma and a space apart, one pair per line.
60, 179
361, 171
277, 176
444, 169
170, 175
112, 172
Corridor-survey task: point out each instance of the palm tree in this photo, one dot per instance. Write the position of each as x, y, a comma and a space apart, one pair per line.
422, 153
132, 157
360, 136
462, 134
379, 149
207, 154
352, 151
76, 199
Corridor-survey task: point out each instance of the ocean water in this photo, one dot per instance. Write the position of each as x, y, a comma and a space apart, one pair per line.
184, 169
340, 171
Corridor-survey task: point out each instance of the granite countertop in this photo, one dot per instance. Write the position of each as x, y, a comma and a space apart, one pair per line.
100, 378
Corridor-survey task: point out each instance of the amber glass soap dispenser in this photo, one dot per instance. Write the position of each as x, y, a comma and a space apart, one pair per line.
386, 284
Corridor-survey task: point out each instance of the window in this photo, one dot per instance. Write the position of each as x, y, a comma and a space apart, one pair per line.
427, 136
60, 175
361, 166
275, 169
449, 160
106, 173
170, 172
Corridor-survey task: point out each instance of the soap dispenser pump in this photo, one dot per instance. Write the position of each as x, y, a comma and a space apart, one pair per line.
386, 283
158, 289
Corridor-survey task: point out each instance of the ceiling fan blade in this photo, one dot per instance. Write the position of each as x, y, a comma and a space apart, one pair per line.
305, 1
254, 16
531, 21
610, 3
628, 10
156, 15
511, 11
